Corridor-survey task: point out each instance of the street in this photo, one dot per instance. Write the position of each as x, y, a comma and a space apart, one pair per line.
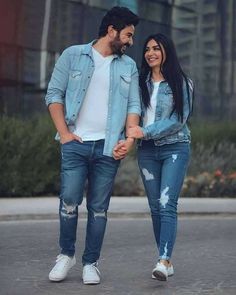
204, 258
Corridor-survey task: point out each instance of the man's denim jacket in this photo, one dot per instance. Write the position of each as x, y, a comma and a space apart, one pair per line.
168, 129
70, 80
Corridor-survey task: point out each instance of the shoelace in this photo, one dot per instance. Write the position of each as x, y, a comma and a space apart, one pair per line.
60, 263
61, 256
94, 266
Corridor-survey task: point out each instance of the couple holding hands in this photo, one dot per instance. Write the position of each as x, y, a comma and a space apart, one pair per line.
100, 105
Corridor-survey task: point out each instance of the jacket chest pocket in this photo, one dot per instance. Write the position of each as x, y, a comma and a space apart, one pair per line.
167, 100
167, 104
75, 77
125, 85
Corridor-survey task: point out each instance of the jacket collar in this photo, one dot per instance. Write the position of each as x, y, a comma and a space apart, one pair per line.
88, 49
149, 79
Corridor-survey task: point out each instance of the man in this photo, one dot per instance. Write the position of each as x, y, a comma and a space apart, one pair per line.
92, 97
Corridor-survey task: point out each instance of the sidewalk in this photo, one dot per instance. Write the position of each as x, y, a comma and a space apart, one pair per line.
47, 207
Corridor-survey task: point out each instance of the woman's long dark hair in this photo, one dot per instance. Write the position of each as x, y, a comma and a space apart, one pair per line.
171, 71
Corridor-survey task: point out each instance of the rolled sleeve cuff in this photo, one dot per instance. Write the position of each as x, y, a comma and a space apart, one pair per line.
134, 110
54, 96
54, 100
145, 133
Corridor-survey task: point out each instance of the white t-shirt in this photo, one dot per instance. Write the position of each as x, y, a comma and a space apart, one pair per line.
92, 118
149, 117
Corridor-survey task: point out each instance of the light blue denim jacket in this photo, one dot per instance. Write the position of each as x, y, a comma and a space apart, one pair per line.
168, 129
70, 80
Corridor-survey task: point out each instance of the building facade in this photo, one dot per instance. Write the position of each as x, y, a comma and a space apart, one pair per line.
36, 32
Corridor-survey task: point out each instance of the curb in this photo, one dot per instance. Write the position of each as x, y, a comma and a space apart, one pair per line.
115, 215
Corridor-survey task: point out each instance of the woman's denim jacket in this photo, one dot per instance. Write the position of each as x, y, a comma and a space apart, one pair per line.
167, 129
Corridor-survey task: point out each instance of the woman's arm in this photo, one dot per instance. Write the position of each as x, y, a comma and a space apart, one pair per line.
167, 126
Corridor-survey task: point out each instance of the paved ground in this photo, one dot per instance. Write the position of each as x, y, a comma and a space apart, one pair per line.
204, 258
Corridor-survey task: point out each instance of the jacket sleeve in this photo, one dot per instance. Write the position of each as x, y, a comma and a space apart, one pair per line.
171, 125
134, 105
59, 79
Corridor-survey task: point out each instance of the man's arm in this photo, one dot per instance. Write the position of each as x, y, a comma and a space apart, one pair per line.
132, 120
124, 146
134, 111
55, 97
57, 114
59, 80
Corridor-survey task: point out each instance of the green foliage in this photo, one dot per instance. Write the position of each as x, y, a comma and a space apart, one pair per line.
212, 167
211, 157
30, 160
212, 133
210, 185
29, 157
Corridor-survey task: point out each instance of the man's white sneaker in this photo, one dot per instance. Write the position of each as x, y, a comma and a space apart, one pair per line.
160, 272
63, 264
170, 271
91, 274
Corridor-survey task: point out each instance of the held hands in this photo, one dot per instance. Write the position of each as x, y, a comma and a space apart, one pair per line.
67, 137
122, 148
135, 132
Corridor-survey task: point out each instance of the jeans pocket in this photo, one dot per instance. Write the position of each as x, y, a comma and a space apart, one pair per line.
69, 142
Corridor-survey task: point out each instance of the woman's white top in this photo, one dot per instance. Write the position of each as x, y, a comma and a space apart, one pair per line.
149, 117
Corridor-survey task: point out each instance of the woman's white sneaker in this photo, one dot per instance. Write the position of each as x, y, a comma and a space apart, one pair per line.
91, 274
170, 271
63, 264
160, 272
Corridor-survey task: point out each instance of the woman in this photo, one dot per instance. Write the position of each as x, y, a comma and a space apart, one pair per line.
164, 148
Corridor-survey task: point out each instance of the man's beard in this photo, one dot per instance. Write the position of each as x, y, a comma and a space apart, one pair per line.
118, 47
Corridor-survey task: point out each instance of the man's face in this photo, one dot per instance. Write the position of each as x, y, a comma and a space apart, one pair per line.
122, 40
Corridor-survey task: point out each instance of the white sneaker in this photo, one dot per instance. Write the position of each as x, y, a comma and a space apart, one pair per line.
63, 264
170, 271
160, 272
91, 274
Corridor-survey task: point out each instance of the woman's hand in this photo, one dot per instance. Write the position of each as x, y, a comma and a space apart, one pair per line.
135, 132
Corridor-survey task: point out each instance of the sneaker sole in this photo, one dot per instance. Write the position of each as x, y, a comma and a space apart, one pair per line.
159, 276
55, 279
91, 282
154, 278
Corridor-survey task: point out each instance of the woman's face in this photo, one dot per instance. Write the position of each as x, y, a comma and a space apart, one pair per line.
153, 54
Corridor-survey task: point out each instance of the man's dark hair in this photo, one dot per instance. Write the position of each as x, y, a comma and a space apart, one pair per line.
119, 18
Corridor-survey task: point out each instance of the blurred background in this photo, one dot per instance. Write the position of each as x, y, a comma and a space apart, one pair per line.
34, 33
